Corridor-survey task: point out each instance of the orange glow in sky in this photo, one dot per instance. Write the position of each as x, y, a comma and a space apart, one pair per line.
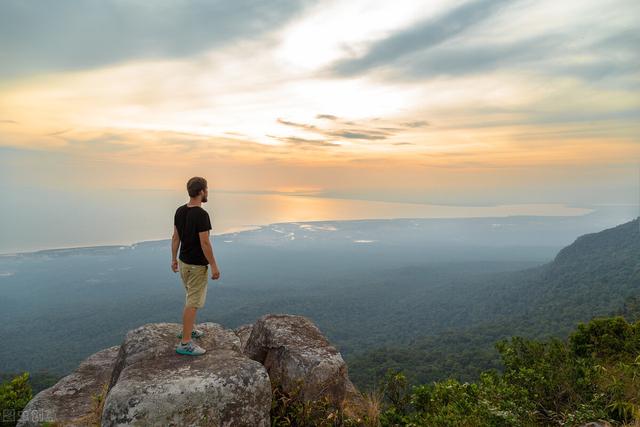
437, 104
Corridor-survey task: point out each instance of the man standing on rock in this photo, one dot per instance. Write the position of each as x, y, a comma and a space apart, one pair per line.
191, 225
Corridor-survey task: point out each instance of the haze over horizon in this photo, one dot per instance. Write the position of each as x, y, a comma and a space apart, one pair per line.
462, 103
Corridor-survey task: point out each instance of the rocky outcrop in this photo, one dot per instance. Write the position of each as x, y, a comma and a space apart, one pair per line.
70, 400
152, 385
243, 332
144, 382
299, 358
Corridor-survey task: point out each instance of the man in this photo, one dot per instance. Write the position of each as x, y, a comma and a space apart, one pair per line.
191, 225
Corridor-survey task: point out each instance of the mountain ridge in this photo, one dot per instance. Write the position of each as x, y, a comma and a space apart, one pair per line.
597, 275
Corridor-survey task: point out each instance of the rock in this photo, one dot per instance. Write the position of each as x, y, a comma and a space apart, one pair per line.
144, 381
243, 332
295, 353
69, 402
152, 385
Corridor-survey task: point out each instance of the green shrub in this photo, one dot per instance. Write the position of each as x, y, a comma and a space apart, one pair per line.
289, 409
594, 376
14, 396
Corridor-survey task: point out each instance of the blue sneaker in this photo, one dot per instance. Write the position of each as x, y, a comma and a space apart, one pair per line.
195, 333
190, 349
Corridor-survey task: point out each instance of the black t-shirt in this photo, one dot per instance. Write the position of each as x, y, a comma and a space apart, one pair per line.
190, 220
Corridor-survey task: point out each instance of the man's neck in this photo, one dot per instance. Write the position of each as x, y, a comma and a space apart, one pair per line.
193, 203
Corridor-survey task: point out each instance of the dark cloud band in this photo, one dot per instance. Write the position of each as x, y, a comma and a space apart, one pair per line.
43, 36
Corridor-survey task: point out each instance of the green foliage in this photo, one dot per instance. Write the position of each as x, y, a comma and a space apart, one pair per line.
434, 314
451, 403
39, 380
395, 389
607, 338
630, 310
462, 354
545, 382
432, 323
14, 396
290, 409
549, 376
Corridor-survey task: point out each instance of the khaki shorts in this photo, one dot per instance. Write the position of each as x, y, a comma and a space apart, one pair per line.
194, 279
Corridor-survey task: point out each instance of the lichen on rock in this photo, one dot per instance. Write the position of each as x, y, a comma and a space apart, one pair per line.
143, 381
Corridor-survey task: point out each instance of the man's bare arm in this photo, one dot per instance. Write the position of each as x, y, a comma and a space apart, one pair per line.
175, 244
207, 249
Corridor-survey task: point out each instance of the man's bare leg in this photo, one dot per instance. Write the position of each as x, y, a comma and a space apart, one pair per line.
188, 322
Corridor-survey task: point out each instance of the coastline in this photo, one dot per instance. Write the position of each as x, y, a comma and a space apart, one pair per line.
254, 227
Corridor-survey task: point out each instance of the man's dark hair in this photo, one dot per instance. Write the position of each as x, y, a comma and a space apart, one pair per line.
195, 185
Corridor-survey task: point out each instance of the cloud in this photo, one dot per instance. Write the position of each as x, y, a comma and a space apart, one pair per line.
304, 141
425, 34
625, 40
487, 36
39, 37
363, 134
416, 124
369, 134
99, 143
548, 54
154, 146
559, 116
326, 116
390, 129
298, 125
473, 59
60, 132
615, 55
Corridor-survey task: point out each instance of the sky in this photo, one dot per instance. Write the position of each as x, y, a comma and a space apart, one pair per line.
451, 102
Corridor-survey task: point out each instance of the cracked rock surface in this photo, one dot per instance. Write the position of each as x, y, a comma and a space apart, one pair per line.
145, 382
296, 354
152, 385
69, 400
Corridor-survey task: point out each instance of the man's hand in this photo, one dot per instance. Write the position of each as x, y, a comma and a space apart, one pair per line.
174, 265
215, 273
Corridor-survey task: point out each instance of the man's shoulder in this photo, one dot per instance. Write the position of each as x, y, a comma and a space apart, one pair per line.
203, 211
204, 217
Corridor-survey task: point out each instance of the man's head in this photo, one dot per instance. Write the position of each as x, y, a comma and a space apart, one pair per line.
197, 187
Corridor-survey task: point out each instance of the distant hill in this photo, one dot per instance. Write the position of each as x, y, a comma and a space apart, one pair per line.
429, 294
597, 275
594, 276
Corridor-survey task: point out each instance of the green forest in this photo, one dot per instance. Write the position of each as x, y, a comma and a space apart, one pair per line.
594, 375
552, 344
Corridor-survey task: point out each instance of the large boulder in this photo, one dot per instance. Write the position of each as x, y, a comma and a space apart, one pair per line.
72, 401
152, 385
243, 332
301, 360
144, 381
